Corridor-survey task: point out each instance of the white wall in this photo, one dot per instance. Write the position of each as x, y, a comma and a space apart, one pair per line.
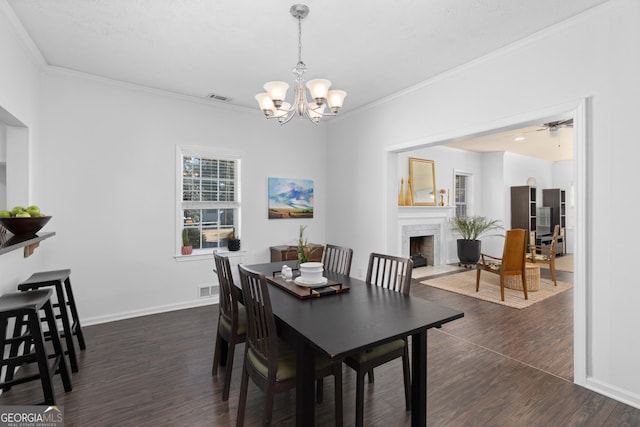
19, 92
106, 171
598, 61
494, 202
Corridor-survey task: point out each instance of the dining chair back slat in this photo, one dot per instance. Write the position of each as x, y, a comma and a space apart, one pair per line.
228, 296
337, 259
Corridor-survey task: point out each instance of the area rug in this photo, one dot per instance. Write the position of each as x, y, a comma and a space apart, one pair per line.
465, 283
432, 270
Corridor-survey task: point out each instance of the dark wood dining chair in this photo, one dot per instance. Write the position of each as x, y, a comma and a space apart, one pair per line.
392, 273
232, 323
337, 259
541, 254
512, 262
269, 361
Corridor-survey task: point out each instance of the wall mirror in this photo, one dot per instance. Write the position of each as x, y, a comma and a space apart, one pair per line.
423, 181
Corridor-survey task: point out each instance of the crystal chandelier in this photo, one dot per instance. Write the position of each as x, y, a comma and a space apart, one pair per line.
272, 102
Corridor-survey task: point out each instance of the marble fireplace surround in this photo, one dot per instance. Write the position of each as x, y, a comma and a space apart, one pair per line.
419, 221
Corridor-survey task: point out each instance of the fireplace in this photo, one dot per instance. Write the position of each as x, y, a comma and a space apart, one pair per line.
421, 250
423, 239
423, 231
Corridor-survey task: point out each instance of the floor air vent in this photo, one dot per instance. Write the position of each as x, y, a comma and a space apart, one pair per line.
206, 291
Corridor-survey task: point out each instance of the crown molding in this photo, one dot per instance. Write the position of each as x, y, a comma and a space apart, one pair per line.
33, 52
146, 89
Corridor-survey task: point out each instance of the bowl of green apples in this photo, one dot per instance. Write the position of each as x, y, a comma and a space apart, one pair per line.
21, 221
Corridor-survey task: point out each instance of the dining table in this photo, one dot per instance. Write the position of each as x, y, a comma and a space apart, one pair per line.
342, 324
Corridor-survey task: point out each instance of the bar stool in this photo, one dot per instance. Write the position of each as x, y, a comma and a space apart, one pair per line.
27, 305
64, 294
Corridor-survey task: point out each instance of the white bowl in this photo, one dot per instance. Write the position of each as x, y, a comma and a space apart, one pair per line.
311, 272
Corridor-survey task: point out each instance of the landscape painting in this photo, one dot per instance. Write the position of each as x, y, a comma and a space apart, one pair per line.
290, 198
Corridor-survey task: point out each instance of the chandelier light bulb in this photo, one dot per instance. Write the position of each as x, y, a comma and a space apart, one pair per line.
265, 103
318, 88
335, 98
277, 92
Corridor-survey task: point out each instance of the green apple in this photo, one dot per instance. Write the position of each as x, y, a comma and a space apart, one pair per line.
23, 214
5, 214
17, 210
33, 210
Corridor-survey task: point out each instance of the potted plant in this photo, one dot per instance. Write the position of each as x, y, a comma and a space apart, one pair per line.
187, 249
470, 229
303, 249
234, 242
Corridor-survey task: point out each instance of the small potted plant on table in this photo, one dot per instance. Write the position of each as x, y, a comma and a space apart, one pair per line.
303, 249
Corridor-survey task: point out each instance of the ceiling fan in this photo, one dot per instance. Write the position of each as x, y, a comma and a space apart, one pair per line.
554, 126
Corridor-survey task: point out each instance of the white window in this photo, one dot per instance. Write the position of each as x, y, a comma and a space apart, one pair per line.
462, 194
208, 198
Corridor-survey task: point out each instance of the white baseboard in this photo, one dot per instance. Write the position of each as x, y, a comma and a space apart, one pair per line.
613, 392
151, 310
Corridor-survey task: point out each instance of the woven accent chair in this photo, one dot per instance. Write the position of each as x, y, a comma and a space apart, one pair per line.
512, 262
337, 259
546, 254
269, 361
232, 323
393, 273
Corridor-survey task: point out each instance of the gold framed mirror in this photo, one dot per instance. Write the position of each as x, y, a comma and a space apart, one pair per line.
423, 181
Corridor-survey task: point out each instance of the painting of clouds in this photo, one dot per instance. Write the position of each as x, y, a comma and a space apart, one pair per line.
290, 198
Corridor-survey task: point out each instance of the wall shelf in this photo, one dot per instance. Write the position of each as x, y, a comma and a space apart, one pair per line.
10, 242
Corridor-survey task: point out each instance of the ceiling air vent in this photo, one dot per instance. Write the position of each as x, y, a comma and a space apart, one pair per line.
216, 97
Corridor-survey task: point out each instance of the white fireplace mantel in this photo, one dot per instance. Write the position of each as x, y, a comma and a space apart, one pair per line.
424, 211
425, 221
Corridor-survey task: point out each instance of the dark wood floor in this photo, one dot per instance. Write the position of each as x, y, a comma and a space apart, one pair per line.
497, 366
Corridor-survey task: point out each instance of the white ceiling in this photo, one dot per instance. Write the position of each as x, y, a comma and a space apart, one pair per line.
542, 144
371, 49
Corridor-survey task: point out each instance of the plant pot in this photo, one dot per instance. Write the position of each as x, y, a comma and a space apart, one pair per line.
187, 250
233, 245
469, 251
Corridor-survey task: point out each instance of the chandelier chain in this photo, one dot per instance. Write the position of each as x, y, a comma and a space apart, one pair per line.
299, 39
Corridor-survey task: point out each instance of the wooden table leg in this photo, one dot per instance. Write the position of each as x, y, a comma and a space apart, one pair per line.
305, 390
419, 379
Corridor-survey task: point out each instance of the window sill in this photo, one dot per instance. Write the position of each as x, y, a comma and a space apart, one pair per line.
207, 255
